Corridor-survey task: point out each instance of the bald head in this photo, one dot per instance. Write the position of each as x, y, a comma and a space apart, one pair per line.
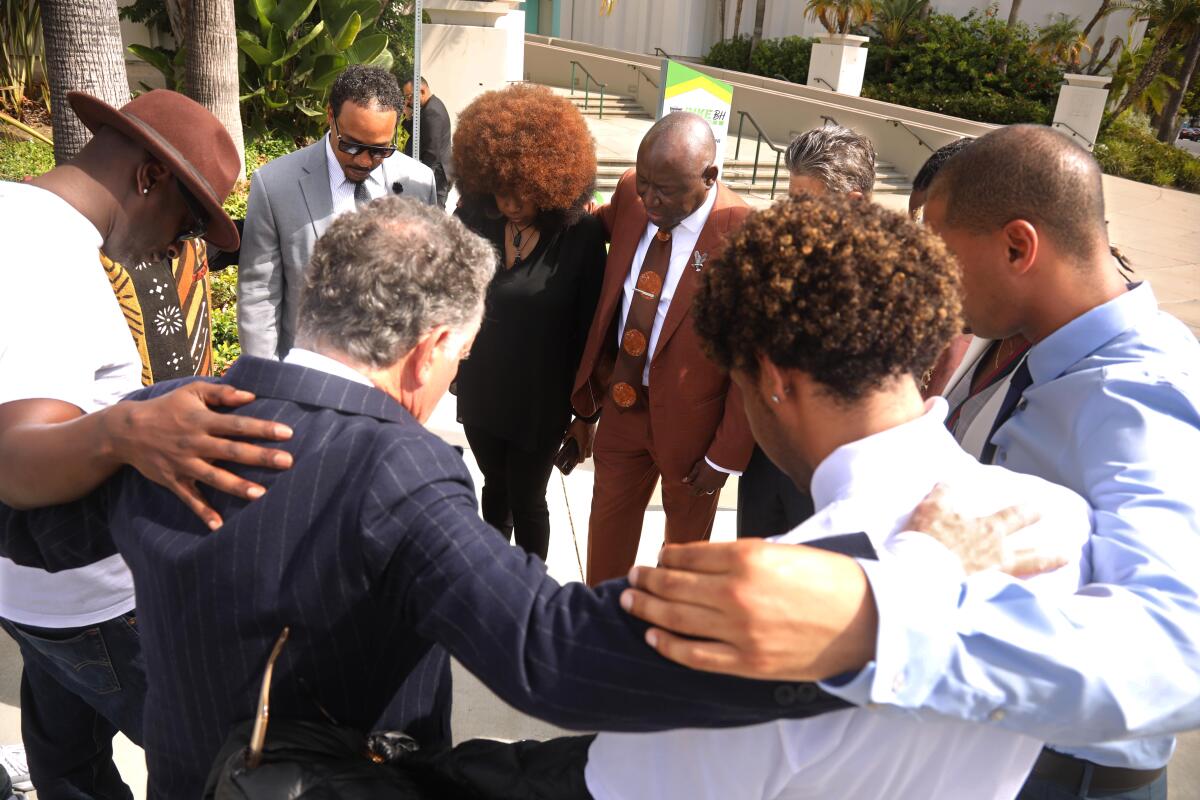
1028, 172
675, 168
681, 135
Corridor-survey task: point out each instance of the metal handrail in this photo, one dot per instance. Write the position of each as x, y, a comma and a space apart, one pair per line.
589, 79
658, 51
639, 71
1091, 144
897, 123
779, 151
829, 119
827, 83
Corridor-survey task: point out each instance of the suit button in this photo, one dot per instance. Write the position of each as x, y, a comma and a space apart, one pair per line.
785, 695
807, 693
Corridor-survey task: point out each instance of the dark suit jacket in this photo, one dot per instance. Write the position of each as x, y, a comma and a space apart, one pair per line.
372, 550
436, 150
695, 409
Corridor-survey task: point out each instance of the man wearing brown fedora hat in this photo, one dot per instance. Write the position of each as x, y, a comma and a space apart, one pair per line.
154, 175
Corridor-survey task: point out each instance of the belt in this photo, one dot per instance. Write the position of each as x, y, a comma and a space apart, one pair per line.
1070, 773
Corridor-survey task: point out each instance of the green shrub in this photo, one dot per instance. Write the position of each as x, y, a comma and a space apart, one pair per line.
948, 64
21, 158
959, 56
226, 347
981, 106
730, 54
788, 57
291, 51
1129, 150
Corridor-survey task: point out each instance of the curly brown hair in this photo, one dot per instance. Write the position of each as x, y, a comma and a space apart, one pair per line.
528, 141
838, 287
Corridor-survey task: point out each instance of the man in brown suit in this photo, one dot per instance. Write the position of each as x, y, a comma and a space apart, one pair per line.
667, 410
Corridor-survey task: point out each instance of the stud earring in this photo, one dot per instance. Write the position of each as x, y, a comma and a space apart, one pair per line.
775, 399
146, 191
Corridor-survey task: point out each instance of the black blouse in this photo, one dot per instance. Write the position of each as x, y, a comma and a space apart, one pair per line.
517, 382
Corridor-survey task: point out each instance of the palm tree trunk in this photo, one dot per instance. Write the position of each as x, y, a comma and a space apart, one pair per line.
84, 53
1153, 66
1014, 12
1103, 11
737, 19
760, 12
1167, 128
721, 16
212, 64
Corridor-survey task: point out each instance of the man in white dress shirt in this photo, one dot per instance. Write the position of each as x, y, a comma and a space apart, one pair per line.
294, 198
826, 312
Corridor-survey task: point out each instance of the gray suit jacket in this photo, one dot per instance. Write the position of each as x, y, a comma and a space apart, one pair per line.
290, 206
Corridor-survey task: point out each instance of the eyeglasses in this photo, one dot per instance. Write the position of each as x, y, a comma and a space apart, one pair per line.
199, 224
352, 148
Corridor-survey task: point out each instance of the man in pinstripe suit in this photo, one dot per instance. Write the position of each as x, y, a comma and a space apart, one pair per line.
371, 547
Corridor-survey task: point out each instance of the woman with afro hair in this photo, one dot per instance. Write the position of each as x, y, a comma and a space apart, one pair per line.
526, 166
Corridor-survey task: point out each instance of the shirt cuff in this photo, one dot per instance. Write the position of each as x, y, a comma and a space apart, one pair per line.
916, 632
719, 468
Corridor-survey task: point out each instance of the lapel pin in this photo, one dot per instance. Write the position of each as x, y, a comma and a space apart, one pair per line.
698, 260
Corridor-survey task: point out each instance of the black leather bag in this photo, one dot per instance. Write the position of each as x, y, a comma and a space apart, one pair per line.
308, 761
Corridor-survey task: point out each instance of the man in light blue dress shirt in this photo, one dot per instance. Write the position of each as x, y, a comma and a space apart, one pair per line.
1108, 405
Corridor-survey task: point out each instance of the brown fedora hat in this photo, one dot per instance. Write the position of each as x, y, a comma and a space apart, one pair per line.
186, 138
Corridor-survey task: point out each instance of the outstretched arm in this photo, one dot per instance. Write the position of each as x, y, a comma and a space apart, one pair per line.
566, 654
54, 453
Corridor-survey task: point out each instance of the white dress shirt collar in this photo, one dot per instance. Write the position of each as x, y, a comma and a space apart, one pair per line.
342, 190
901, 455
307, 358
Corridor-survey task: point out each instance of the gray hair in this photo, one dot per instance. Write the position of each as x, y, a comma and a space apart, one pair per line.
838, 157
385, 275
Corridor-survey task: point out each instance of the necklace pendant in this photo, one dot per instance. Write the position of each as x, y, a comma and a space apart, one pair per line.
517, 260
517, 239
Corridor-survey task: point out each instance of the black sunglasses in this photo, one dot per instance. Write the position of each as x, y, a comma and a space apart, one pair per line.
199, 224
354, 148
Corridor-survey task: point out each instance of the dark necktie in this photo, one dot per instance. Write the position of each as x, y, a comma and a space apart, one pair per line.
361, 195
635, 340
1021, 380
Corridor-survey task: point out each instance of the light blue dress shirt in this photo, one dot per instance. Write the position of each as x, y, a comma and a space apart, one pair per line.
1113, 413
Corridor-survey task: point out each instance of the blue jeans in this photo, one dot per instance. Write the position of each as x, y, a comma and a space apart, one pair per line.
1038, 789
78, 688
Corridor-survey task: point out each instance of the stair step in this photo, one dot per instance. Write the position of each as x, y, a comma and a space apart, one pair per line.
607, 183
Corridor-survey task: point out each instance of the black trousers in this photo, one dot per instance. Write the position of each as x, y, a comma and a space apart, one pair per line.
514, 487
768, 502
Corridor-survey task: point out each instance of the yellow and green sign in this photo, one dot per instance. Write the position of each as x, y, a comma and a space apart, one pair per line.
686, 89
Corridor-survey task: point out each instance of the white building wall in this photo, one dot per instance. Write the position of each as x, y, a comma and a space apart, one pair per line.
689, 27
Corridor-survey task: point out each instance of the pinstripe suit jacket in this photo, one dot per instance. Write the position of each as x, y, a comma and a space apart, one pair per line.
372, 550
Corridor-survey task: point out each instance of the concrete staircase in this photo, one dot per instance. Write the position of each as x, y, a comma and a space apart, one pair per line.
739, 176
625, 121
616, 106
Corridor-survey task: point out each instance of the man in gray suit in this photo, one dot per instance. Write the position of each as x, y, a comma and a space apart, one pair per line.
294, 198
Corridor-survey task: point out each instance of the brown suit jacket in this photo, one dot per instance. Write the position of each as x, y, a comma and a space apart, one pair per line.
695, 409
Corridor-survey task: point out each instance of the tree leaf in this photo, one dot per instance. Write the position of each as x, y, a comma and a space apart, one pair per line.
290, 13
298, 45
276, 43
345, 37
154, 57
368, 48
262, 10
253, 48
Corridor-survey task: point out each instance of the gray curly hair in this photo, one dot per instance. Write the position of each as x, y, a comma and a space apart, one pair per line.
385, 275
838, 157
